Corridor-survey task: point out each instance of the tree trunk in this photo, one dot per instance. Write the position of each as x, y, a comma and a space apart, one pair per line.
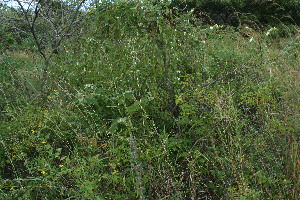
44, 79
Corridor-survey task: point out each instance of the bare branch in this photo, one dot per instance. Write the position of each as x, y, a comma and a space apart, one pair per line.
48, 22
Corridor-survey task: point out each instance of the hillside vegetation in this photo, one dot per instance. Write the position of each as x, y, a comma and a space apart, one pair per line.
151, 100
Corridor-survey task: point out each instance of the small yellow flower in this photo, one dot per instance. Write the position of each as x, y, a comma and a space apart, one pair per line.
55, 90
11, 189
32, 131
60, 165
43, 172
49, 97
44, 142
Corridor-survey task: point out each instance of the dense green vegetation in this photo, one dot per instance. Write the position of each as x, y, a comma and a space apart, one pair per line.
152, 101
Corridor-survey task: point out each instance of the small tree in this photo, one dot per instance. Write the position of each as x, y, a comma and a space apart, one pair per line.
49, 23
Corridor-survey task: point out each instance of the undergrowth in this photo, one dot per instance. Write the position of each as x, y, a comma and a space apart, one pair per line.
193, 112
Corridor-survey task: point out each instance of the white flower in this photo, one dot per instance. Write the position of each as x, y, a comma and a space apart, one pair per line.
211, 28
270, 30
251, 39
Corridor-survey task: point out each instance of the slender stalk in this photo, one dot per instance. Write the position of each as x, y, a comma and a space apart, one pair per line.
137, 168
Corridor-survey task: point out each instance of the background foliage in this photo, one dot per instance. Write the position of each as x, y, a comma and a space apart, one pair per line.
156, 100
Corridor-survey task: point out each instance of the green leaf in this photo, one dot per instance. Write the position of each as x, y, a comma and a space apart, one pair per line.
92, 101
134, 107
114, 125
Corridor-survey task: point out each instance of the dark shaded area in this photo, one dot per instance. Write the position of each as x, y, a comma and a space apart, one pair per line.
235, 13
